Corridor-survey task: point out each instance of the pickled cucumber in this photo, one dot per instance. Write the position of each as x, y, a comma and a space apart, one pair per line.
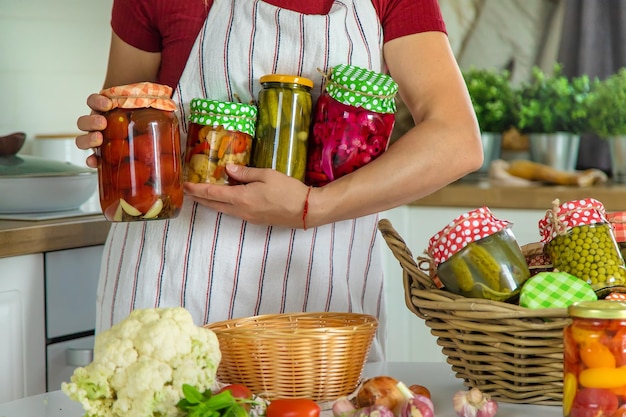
485, 264
462, 273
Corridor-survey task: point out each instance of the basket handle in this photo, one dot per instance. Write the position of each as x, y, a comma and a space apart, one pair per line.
404, 256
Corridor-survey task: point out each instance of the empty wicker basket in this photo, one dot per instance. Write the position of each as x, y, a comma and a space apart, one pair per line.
513, 353
312, 355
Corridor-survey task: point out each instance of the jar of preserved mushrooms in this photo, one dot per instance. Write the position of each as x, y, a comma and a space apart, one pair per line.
219, 133
353, 121
140, 162
284, 119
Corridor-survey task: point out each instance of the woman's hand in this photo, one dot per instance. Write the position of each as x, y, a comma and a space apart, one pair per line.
266, 196
93, 124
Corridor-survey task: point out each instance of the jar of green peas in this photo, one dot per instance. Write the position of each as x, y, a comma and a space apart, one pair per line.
579, 240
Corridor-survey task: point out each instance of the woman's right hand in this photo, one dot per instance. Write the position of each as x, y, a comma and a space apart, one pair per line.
93, 124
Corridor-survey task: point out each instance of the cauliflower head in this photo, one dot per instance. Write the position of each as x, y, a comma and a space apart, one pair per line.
141, 364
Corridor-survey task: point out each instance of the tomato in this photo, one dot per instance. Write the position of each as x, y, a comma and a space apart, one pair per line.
135, 173
420, 390
117, 125
592, 402
114, 151
293, 407
238, 391
618, 347
142, 148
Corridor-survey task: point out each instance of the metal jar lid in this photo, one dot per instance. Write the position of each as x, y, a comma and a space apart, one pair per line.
600, 309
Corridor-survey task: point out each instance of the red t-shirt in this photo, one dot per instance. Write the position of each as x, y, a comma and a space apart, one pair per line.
171, 27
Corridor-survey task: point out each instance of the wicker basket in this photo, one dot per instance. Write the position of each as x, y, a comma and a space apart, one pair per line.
312, 355
513, 353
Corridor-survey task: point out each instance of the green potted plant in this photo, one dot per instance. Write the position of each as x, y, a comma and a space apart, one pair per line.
606, 107
553, 112
493, 99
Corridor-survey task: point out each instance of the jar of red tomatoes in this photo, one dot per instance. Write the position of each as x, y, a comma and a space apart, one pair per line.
352, 122
219, 133
283, 124
594, 368
140, 162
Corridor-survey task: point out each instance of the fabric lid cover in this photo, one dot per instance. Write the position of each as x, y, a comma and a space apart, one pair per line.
574, 213
360, 87
238, 117
468, 227
141, 95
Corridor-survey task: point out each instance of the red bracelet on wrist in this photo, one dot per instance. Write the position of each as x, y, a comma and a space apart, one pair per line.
305, 209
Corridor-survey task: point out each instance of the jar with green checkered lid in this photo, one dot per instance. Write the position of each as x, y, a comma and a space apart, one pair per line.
353, 121
220, 133
579, 240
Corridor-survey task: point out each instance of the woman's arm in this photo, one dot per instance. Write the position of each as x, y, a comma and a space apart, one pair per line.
127, 65
443, 146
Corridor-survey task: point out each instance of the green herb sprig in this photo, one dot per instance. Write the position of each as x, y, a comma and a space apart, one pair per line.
206, 404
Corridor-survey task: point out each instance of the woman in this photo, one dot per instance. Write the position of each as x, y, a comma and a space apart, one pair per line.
243, 250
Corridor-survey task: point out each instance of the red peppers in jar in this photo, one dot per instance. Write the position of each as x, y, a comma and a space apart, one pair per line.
140, 165
353, 121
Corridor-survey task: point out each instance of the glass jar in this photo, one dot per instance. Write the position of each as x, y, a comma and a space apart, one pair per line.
283, 124
477, 255
140, 164
594, 360
579, 240
352, 125
219, 133
618, 221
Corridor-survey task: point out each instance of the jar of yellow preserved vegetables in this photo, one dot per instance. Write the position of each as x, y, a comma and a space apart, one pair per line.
284, 119
579, 240
594, 359
219, 133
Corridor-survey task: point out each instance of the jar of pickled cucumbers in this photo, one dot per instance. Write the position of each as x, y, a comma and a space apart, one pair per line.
352, 122
477, 255
140, 162
219, 133
579, 240
594, 360
284, 120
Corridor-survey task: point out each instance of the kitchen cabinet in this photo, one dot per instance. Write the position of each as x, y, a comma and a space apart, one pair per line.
22, 344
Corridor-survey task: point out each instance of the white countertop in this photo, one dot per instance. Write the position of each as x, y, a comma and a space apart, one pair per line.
437, 377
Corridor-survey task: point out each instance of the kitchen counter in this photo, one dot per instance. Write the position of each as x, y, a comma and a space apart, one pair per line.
466, 193
21, 237
437, 377
25, 237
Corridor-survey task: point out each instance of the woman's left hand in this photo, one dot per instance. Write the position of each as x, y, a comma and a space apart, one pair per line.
265, 196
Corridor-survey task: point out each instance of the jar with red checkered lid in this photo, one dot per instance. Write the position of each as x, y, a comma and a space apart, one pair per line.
579, 240
477, 255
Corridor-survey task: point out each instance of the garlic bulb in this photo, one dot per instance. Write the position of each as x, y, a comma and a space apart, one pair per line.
474, 403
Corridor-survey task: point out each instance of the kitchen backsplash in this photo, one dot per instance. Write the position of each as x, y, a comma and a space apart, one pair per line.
53, 54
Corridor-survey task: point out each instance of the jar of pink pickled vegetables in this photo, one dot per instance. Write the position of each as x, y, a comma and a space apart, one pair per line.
352, 125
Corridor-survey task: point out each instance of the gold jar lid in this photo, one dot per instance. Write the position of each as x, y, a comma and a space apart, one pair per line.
598, 309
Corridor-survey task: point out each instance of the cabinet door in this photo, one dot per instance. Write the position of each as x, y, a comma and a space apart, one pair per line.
71, 286
65, 357
22, 344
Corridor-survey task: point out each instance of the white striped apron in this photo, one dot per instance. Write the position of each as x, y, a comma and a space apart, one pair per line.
220, 267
